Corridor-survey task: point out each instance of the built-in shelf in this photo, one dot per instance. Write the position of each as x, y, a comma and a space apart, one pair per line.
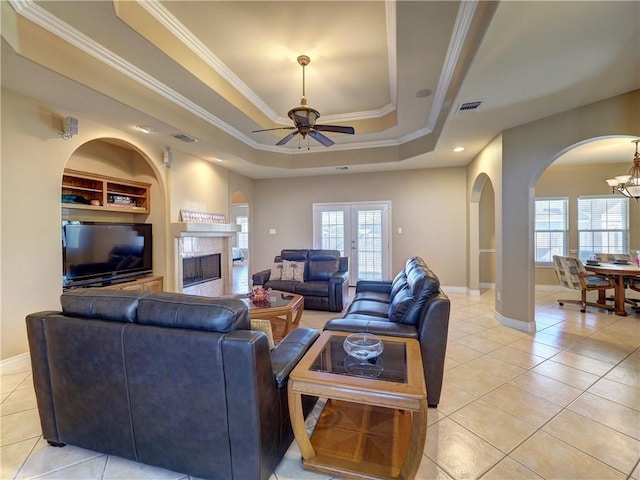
89, 191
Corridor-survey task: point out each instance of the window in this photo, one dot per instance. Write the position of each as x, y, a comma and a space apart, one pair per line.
603, 225
243, 234
550, 229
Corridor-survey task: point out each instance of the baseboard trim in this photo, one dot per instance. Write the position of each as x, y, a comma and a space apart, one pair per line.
528, 327
16, 359
448, 289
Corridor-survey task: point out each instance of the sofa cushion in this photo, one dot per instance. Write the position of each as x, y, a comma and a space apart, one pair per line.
369, 307
102, 303
294, 255
400, 306
193, 312
283, 285
293, 270
316, 289
323, 264
399, 282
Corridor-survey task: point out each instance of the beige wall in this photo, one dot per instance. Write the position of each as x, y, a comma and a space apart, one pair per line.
33, 158
571, 182
526, 152
427, 204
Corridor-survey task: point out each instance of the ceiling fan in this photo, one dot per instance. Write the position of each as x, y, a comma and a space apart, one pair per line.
304, 119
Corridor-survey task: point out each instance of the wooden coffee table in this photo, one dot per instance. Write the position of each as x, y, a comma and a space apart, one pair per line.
283, 310
370, 427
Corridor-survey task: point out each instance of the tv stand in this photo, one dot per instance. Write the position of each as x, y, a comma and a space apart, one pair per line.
154, 283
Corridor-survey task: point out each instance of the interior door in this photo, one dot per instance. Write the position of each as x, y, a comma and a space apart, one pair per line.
360, 231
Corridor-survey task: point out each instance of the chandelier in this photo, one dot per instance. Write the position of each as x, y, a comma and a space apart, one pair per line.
628, 185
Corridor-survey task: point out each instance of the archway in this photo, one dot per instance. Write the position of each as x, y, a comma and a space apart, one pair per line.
241, 246
119, 159
482, 236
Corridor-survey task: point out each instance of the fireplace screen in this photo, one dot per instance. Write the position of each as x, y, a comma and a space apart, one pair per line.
200, 269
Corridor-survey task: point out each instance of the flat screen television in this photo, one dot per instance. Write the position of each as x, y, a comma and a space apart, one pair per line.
97, 253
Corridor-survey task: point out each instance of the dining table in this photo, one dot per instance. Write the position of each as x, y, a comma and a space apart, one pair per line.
617, 271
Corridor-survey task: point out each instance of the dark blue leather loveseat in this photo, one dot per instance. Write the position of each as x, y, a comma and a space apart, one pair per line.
412, 306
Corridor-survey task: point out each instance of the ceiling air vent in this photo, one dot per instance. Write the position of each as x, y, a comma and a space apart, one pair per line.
468, 107
184, 137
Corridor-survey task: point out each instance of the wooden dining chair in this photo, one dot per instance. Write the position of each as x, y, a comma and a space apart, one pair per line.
572, 274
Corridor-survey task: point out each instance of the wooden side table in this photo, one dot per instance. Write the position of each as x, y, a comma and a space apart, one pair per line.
370, 427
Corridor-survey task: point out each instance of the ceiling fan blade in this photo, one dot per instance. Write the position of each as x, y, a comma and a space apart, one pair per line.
327, 142
287, 138
269, 129
335, 128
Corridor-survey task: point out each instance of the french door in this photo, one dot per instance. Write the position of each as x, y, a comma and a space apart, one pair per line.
360, 231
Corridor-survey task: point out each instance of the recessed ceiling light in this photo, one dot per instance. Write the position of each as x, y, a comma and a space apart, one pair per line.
144, 128
342, 168
458, 149
423, 93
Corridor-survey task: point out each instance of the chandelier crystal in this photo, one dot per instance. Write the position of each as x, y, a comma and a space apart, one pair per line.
628, 185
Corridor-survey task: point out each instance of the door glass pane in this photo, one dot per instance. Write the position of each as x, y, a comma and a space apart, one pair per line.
369, 244
332, 236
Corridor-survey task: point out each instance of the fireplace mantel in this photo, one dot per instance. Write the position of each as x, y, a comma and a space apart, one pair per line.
184, 229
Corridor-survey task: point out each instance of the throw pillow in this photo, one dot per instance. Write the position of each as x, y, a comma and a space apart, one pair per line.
293, 271
264, 326
276, 271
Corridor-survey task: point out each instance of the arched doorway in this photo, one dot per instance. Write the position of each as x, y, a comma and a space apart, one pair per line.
482, 236
239, 213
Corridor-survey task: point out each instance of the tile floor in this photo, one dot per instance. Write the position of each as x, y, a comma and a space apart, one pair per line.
563, 403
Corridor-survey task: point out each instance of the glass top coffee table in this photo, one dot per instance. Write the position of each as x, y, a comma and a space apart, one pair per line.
282, 309
374, 422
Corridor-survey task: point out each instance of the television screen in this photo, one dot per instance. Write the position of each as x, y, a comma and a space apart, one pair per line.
94, 252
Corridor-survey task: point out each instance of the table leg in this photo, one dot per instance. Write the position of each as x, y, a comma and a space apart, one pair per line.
296, 415
416, 444
619, 292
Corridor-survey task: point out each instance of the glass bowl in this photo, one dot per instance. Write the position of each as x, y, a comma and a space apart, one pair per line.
363, 346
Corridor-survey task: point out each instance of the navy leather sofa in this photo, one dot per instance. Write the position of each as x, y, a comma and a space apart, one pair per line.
170, 380
412, 306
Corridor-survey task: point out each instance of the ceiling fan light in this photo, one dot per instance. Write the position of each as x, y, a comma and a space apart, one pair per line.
612, 182
634, 190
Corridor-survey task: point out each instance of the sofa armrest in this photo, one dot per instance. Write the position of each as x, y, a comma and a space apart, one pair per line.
383, 286
286, 354
365, 323
260, 278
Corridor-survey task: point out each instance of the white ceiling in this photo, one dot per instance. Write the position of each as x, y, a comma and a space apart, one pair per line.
218, 70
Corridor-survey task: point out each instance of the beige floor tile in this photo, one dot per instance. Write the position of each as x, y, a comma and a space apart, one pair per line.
13, 456
557, 340
636, 472
450, 363
453, 397
20, 426
501, 429
527, 406
11, 381
459, 452
45, 459
479, 344
627, 376
609, 446
535, 348
617, 392
497, 368
565, 374
290, 467
581, 362
551, 458
461, 353
547, 388
517, 357
88, 470
431, 471
509, 469
468, 326
468, 378
589, 349
608, 413
119, 468
18, 401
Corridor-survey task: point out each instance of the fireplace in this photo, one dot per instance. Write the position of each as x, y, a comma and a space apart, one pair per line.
200, 269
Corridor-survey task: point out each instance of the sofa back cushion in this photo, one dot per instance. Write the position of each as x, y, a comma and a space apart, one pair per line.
421, 284
293, 255
103, 304
193, 312
322, 265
